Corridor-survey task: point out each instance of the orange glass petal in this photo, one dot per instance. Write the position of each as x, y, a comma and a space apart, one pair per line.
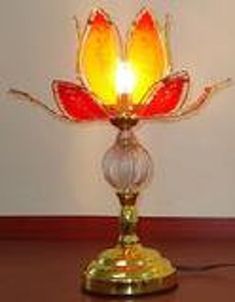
146, 54
76, 103
99, 56
166, 96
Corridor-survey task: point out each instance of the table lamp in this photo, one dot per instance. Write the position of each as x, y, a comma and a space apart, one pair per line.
125, 85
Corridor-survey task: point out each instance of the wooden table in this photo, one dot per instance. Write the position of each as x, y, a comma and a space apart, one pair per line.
49, 271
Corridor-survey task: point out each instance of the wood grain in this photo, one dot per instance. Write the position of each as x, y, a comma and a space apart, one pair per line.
55, 227
51, 270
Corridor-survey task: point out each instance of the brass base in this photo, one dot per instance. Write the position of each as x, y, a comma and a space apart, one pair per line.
129, 270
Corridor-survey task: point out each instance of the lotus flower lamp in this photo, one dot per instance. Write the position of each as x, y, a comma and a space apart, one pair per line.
126, 84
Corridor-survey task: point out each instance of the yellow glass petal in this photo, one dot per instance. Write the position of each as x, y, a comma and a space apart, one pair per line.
147, 54
99, 56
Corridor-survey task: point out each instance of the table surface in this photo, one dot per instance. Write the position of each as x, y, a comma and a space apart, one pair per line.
49, 271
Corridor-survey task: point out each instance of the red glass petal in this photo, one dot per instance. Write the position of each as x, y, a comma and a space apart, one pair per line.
98, 56
147, 54
167, 95
146, 20
76, 102
99, 18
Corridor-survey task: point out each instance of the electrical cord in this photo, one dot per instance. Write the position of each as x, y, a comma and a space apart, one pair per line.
203, 268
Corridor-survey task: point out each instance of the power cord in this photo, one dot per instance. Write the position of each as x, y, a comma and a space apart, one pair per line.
203, 268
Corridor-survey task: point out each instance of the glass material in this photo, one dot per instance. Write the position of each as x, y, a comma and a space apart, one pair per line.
191, 108
99, 56
151, 91
166, 96
127, 166
76, 103
124, 80
146, 54
101, 52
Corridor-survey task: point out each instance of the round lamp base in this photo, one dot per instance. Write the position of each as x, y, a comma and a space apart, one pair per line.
130, 270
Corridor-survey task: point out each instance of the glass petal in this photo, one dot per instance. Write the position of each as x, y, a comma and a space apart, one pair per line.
193, 107
76, 103
147, 54
166, 96
99, 55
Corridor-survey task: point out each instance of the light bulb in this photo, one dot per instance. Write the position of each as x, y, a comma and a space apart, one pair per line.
125, 78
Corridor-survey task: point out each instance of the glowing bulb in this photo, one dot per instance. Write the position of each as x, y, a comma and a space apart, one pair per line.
125, 79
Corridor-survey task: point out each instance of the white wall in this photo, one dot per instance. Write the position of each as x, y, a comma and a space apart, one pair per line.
51, 168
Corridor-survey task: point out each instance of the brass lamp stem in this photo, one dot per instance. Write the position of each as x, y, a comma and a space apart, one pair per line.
128, 219
128, 268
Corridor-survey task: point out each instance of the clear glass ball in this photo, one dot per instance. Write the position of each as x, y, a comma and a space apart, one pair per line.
127, 165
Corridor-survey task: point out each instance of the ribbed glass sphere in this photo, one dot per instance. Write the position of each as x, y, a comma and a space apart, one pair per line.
127, 166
